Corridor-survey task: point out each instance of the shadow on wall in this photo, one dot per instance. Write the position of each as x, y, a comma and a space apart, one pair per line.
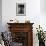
0, 14
0, 24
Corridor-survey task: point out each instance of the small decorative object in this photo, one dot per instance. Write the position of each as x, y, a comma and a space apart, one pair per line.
20, 9
41, 36
27, 21
11, 20
14, 21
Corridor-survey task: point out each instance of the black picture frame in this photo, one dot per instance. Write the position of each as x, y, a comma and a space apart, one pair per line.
20, 9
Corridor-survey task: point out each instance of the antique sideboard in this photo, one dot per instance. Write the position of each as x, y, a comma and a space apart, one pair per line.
22, 33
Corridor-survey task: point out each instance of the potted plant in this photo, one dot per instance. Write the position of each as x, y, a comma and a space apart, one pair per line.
41, 36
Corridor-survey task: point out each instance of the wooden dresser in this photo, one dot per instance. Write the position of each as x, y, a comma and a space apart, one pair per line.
22, 33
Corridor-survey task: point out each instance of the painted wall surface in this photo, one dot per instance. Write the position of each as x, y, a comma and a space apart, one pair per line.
9, 11
0, 15
33, 13
43, 6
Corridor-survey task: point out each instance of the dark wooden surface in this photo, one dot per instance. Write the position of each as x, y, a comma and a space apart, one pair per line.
22, 27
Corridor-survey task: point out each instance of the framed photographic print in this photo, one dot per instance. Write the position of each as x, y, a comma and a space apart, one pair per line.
20, 9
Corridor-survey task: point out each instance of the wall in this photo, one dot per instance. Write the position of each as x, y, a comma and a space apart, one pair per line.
33, 13
0, 15
9, 11
43, 14
43, 6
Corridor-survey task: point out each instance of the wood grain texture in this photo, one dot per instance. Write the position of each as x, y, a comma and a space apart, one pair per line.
23, 27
